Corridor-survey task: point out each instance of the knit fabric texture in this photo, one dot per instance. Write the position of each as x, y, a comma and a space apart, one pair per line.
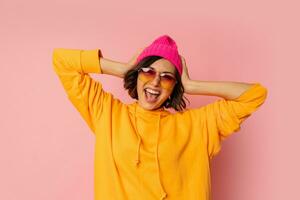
165, 47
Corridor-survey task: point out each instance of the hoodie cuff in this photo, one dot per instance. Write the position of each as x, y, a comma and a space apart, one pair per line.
90, 61
255, 92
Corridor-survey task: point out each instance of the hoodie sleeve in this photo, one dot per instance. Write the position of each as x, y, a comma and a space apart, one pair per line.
223, 117
72, 67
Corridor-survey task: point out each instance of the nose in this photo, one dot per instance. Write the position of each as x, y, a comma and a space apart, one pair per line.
156, 80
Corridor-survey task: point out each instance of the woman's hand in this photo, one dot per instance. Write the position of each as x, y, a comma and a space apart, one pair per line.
131, 63
185, 74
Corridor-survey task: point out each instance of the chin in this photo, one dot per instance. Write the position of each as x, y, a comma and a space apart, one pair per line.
150, 107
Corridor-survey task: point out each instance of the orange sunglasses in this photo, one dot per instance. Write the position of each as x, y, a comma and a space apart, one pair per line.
148, 74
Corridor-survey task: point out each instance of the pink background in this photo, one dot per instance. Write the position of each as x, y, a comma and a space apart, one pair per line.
46, 149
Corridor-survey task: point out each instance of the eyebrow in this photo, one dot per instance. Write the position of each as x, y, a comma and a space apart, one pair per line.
164, 72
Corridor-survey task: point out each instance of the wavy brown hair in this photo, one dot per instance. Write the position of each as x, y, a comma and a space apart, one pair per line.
176, 100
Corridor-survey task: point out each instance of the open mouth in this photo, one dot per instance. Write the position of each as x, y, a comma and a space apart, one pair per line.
151, 95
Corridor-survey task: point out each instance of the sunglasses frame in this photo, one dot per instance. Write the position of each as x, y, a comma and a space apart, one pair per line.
141, 69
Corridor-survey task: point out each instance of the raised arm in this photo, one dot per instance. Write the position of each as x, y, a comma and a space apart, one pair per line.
72, 66
225, 89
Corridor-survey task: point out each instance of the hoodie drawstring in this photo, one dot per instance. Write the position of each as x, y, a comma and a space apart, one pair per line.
164, 195
137, 160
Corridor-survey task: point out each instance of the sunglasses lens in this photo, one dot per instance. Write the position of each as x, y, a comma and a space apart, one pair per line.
167, 81
147, 74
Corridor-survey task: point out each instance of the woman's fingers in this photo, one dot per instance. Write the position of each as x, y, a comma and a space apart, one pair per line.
134, 58
185, 73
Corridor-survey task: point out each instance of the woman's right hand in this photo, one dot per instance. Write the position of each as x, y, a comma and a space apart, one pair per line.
131, 63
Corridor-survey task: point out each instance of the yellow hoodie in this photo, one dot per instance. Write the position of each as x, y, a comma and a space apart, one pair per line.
149, 155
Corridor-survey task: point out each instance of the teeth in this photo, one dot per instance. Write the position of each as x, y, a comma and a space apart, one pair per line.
152, 91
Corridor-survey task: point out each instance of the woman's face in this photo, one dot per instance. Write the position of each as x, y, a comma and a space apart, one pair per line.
150, 101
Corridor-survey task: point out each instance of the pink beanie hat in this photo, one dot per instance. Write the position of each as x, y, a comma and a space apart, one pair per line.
165, 47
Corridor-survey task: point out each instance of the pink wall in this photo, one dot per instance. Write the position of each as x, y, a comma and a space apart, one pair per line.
46, 149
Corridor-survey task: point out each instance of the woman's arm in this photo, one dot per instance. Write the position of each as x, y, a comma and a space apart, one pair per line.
225, 89
116, 68
219, 119
113, 67
72, 66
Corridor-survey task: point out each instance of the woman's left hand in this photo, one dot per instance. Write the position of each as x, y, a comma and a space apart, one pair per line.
185, 74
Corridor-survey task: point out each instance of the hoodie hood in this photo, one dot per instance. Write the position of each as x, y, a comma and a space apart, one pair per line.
137, 111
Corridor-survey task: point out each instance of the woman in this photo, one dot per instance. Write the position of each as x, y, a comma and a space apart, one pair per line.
143, 151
